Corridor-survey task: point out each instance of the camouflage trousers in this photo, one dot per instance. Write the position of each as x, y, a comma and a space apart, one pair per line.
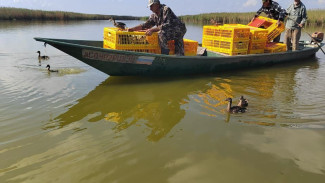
291, 38
176, 34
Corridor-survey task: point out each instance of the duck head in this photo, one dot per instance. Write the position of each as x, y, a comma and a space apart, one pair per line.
229, 99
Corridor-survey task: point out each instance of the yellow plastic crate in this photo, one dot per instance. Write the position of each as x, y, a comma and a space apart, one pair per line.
270, 25
211, 43
227, 31
257, 45
235, 32
209, 30
190, 47
146, 50
123, 40
217, 44
275, 48
228, 44
258, 34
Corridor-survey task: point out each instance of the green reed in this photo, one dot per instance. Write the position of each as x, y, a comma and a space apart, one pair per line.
26, 14
316, 18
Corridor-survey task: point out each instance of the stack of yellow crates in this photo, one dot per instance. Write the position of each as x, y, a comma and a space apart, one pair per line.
229, 39
139, 42
274, 30
238, 39
257, 41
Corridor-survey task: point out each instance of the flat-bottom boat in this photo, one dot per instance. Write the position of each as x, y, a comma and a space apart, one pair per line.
128, 63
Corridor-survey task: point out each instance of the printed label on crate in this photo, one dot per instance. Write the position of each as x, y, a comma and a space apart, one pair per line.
110, 57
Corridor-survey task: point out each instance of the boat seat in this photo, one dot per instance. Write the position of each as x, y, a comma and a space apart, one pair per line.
201, 51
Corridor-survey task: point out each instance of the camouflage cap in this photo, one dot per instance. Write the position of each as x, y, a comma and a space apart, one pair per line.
153, 2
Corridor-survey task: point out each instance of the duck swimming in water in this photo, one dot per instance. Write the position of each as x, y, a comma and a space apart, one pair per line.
50, 70
42, 57
234, 109
242, 102
119, 25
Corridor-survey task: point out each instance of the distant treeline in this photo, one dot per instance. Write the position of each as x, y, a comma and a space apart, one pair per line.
27, 14
316, 18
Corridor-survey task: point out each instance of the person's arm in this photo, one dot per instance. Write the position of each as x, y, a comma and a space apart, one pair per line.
258, 12
136, 28
282, 12
304, 17
152, 30
147, 25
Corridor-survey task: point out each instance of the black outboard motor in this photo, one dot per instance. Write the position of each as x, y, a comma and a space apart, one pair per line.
317, 37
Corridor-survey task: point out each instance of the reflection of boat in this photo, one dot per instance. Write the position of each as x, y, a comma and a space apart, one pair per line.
122, 63
152, 103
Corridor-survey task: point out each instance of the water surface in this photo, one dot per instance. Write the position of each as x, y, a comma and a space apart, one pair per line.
80, 125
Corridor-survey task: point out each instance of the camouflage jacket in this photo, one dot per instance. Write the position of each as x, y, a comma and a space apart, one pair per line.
275, 11
166, 20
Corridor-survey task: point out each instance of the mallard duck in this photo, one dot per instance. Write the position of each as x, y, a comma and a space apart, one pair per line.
50, 70
242, 102
215, 22
119, 25
42, 57
234, 109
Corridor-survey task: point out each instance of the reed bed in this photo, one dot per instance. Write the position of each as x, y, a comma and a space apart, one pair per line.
316, 18
27, 14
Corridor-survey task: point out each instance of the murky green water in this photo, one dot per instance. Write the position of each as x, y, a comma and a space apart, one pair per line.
80, 125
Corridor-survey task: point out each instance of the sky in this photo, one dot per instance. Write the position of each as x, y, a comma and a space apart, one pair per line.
139, 7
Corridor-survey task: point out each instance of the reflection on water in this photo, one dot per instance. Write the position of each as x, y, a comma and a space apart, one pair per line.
160, 104
130, 101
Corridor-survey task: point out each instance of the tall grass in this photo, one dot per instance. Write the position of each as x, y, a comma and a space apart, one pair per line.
316, 18
26, 14
225, 18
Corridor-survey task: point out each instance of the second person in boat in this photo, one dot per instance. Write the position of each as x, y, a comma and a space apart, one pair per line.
167, 24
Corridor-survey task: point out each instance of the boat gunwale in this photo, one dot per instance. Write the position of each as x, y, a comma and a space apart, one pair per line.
82, 46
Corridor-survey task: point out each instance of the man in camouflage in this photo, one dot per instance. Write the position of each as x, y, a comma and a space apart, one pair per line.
274, 11
168, 26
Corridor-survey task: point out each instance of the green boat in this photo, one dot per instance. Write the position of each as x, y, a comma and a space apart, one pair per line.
128, 63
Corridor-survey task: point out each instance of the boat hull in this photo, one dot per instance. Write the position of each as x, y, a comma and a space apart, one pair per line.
126, 63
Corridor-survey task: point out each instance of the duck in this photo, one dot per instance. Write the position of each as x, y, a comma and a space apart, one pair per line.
50, 70
42, 57
242, 102
215, 22
234, 109
119, 25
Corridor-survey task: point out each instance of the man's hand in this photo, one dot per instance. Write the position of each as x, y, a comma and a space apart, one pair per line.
278, 23
149, 32
301, 25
